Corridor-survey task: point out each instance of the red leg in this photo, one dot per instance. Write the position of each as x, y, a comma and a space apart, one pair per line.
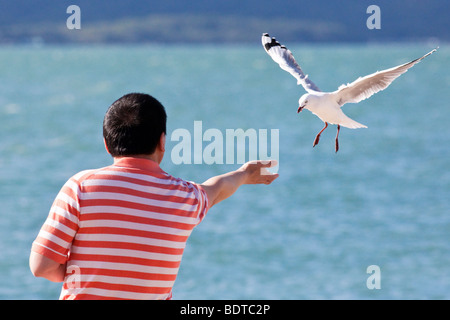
316, 141
337, 135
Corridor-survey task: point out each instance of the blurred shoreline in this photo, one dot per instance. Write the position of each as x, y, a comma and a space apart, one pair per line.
200, 29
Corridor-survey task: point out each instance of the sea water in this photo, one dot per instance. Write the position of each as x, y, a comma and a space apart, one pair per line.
382, 200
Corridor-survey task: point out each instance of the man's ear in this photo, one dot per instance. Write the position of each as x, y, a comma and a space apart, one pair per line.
162, 142
106, 147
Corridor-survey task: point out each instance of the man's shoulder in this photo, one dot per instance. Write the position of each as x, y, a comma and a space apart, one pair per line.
181, 182
86, 174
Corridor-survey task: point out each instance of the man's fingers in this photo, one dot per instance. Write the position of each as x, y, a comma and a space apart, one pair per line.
264, 164
257, 172
268, 179
268, 163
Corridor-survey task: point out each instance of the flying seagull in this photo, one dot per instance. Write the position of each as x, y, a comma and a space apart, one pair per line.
327, 105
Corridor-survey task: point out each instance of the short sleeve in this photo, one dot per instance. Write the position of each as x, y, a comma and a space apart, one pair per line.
58, 231
203, 202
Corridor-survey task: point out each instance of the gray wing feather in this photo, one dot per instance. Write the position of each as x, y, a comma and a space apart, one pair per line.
364, 87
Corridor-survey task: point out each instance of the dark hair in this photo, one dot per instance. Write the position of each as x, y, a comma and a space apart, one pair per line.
133, 125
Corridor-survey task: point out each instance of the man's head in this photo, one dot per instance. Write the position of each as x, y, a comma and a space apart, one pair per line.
133, 125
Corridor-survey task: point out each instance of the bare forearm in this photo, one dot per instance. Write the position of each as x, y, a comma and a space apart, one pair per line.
221, 187
44, 267
57, 275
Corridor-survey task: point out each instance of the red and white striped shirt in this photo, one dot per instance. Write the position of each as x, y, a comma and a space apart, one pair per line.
121, 230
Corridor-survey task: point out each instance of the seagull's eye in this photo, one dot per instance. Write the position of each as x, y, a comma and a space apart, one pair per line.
306, 101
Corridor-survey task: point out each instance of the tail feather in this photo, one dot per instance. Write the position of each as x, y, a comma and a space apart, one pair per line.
347, 122
352, 124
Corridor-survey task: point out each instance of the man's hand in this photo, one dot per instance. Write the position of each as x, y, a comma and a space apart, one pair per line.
255, 172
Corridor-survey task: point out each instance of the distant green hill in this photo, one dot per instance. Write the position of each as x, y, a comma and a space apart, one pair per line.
243, 21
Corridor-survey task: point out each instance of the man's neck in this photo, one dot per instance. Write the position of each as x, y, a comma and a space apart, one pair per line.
153, 157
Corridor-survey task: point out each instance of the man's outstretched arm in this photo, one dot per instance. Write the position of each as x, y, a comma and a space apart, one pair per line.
221, 187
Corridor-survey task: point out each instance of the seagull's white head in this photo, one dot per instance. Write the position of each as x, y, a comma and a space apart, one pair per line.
303, 102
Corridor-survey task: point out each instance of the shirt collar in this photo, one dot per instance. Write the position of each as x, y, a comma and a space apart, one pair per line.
138, 163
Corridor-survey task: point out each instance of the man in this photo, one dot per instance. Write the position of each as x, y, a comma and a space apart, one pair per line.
119, 232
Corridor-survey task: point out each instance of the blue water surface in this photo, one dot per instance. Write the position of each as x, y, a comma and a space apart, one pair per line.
382, 200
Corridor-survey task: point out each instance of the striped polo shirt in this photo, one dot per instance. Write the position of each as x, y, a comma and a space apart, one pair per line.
121, 230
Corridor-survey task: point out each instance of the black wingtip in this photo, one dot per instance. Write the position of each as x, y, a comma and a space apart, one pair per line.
273, 43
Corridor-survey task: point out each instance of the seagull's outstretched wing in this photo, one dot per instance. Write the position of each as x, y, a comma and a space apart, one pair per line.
283, 56
364, 87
